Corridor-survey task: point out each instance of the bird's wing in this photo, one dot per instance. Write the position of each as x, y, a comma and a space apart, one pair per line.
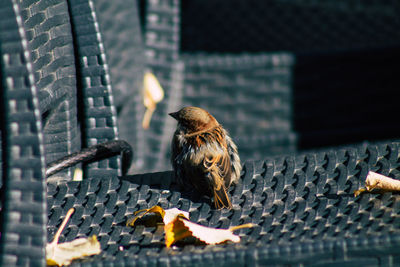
205, 164
218, 170
175, 150
234, 159
176, 160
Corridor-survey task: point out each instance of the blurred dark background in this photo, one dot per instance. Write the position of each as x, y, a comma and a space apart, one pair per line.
346, 78
282, 76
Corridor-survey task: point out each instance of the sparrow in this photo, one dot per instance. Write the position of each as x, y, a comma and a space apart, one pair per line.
204, 157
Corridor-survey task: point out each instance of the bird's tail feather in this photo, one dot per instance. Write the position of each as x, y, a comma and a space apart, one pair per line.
221, 199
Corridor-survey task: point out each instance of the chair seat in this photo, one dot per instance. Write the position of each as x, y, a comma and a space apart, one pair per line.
303, 207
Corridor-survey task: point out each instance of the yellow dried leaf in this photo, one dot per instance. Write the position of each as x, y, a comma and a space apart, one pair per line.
153, 93
166, 215
157, 210
153, 89
64, 253
359, 191
175, 231
171, 214
78, 175
378, 181
177, 227
181, 228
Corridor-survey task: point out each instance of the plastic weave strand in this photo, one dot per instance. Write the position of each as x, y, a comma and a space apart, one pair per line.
125, 49
250, 95
162, 29
23, 214
339, 52
48, 28
94, 88
303, 206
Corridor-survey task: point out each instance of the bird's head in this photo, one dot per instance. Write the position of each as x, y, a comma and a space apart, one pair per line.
194, 119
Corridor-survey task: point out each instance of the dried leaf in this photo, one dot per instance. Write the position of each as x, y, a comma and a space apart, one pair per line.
171, 214
359, 191
153, 88
153, 93
175, 231
166, 215
177, 227
181, 228
64, 253
378, 181
78, 175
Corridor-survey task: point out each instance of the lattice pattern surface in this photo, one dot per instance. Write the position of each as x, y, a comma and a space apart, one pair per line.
250, 95
123, 42
303, 206
161, 35
98, 111
48, 28
23, 192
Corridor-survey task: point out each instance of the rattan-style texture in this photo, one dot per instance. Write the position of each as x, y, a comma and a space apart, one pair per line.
162, 35
122, 36
302, 204
52, 87
341, 58
98, 114
49, 34
23, 191
303, 207
250, 95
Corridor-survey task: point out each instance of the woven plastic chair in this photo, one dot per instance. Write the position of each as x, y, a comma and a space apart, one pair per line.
126, 56
303, 205
56, 97
291, 75
23, 190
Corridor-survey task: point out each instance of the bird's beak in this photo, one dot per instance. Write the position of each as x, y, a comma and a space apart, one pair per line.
174, 115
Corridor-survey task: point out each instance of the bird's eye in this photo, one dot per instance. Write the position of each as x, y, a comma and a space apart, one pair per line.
185, 123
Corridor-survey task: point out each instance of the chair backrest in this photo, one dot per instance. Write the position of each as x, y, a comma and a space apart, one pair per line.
55, 98
23, 198
96, 108
123, 42
281, 76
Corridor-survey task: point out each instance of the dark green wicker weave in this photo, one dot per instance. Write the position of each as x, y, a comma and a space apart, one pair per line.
57, 97
281, 76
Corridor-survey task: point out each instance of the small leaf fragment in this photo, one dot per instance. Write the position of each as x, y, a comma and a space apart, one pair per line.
78, 175
181, 228
171, 214
64, 253
153, 93
175, 231
157, 210
359, 191
177, 227
378, 181
166, 215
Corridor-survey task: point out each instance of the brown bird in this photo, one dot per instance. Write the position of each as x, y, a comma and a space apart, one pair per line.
204, 157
